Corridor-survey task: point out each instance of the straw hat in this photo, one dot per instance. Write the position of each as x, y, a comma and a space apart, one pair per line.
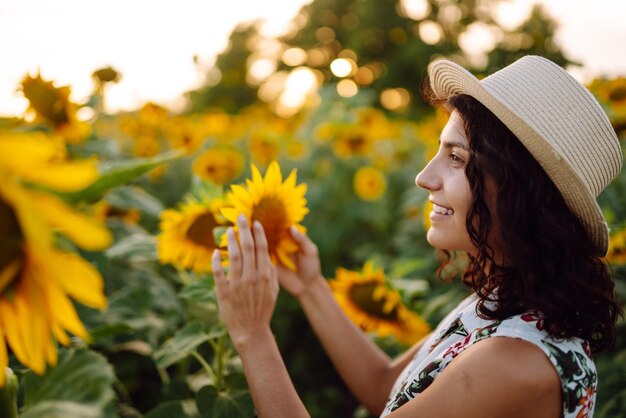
557, 119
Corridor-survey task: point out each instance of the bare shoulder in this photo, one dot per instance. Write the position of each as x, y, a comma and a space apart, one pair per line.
495, 377
520, 362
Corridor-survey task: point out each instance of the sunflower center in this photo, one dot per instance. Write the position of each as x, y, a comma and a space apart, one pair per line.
271, 212
356, 143
11, 253
201, 230
362, 295
618, 94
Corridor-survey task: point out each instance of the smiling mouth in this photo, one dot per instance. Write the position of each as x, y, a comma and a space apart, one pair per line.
441, 210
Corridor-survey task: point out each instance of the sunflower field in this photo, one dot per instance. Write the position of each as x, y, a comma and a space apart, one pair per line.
108, 223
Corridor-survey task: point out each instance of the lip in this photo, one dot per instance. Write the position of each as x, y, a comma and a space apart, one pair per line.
439, 204
438, 217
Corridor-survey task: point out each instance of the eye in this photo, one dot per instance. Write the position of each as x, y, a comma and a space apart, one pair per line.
456, 159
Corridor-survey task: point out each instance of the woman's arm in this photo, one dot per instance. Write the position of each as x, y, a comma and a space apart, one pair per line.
496, 377
366, 369
246, 303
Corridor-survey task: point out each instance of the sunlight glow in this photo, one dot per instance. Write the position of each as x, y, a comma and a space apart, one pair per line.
342, 67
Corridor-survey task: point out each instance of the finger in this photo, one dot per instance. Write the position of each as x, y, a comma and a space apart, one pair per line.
263, 262
234, 254
247, 247
306, 245
275, 286
221, 284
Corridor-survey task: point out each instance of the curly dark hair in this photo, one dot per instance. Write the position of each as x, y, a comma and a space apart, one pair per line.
546, 262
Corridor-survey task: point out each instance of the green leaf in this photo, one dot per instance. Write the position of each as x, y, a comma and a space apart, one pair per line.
62, 409
225, 404
135, 248
181, 344
200, 291
129, 197
168, 409
119, 173
80, 385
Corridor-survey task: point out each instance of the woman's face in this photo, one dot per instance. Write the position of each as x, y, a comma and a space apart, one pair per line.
444, 178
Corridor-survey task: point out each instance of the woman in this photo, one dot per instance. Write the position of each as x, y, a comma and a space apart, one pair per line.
514, 183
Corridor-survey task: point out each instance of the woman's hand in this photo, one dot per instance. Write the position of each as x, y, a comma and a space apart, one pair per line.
247, 297
307, 261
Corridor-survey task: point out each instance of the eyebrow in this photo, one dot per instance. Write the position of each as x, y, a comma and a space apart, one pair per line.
449, 145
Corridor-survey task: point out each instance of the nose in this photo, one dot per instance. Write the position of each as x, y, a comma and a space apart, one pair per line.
428, 178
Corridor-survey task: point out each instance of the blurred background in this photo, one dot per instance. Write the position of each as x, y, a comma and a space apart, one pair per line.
124, 124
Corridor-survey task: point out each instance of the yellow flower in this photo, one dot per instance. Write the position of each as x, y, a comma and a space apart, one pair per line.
375, 307
36, 279
264, 146
428, 131
348, 140
106, 74
47, 101
426, 209
187, 238
38, 158
221, 126
277, 205
146, 146
52, 104
183, 132
617, 248
104, 210
219, 166
369, 183
376, 123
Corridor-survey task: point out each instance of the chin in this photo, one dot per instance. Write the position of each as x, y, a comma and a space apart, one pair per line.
446, 242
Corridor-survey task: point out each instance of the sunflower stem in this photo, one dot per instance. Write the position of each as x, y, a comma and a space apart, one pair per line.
207, 367
8, 395
222, 356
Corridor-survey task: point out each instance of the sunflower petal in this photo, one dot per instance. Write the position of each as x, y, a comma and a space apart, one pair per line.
256, 175
78, 278
230, 214
64, 177
4, 358
13, 336
286, 260
64, 313
86, 232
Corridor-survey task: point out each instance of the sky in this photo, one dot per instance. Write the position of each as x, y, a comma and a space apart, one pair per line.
153, 42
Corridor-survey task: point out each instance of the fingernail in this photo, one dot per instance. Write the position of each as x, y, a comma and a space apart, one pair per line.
216, 253
230, 231
257, 224
294, 230
242, 219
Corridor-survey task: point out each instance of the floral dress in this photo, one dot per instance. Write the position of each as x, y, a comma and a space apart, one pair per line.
463, 327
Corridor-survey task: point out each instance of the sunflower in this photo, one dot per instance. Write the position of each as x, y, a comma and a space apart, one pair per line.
185, 133
375, 307
617, 248
187, 238
369, 183
352, 141
37, 280
53, 105
426, 209
264, 146
219, 166
277, 205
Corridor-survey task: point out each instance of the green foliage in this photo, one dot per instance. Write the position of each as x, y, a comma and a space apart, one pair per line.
79, 386
184, 342
235, 402
119, 173
162, 349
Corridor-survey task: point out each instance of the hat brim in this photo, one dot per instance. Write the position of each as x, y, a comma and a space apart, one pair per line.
448, 79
